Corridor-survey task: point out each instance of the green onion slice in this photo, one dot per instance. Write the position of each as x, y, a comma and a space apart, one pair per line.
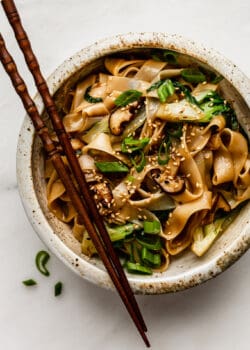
151, 227
29, 282
42, 258
138, 268
111, 167
129, 144
149, 241
139, 165
148, 258
58, 288
165, 90
91, 99
163, 153
193, 75
127, 97
155, 86
120, 232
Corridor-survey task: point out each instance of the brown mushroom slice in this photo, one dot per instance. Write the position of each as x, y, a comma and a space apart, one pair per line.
171, 186
117, 118
103, 194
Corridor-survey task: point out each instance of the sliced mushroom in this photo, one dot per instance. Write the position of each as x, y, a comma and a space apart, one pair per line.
171, 186
122, 115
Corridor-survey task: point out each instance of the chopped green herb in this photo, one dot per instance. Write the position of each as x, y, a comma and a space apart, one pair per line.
155, 86
139, 164
175, 130
58, 288
91, 99
118, 233
129, 144
151, 227
164, 151
152, 242
165, 56
111, 167
29, 282
193, 75
165, 90
138, 269
42, 258
148, 258
127, 97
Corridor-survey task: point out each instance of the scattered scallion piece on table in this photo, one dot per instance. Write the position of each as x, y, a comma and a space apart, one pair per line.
42, 258
127, 97
29, 282
58, 288
110, 167
90, 98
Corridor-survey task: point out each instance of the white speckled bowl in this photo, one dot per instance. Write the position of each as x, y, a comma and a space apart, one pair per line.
185, 271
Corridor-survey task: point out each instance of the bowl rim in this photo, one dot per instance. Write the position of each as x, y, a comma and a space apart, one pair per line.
158, 284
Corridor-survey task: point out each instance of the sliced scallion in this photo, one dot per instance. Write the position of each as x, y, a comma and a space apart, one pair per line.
111, 167
90, 98
193, 75
42, 258
155, 86
129, 144
138, 268
163, 153
175, 130
152, 227
58, 288
29, 282
148, 258
151, 242
117, 233
189, 97
139, 164
165, 90
127, 97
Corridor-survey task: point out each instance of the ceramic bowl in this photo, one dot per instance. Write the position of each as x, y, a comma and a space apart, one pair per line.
185, 271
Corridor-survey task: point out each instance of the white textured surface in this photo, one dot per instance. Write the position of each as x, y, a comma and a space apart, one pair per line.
212, 316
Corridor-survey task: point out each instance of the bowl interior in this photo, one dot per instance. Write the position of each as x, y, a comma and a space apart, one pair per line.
185, 270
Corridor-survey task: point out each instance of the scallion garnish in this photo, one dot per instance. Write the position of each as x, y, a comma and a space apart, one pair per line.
139, 164
58, 288
91, 99
165, 90
127, 97
111, 167
152, 227
29, 282
117, 233
193, 75
129, 144
42, 258
164, 151
138, 268
155, 86
151, 242
149, 258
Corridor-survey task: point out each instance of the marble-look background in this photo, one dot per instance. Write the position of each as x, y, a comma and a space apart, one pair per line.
215, 315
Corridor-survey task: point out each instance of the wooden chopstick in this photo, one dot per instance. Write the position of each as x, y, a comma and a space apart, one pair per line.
50, 148
31, 60
53, 154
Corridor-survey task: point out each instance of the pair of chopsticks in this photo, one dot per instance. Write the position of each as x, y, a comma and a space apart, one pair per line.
83, 201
